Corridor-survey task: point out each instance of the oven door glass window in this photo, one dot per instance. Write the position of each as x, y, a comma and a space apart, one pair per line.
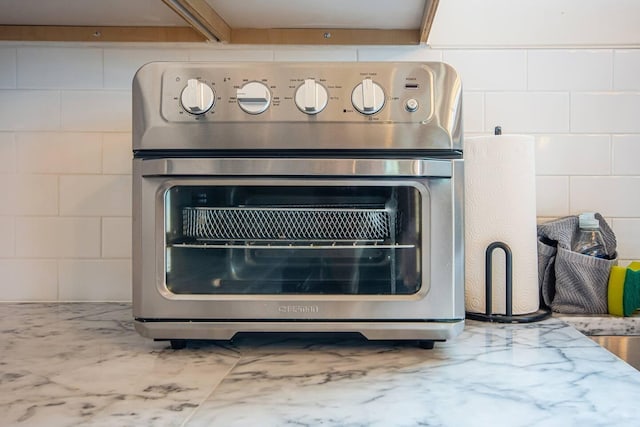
330, 240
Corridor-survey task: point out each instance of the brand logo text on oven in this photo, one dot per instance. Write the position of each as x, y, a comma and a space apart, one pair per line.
298, 309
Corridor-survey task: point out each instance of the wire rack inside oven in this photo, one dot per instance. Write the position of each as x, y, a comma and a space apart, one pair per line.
287, 223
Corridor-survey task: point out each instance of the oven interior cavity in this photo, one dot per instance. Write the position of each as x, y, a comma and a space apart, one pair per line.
280, 239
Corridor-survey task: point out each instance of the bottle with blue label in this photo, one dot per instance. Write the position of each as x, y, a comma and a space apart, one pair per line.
589, 239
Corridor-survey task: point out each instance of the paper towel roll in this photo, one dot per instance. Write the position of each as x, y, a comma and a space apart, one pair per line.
500, 205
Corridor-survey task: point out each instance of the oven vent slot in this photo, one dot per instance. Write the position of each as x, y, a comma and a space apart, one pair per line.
291, 224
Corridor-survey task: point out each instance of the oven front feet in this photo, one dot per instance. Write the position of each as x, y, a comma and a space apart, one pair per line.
178, 344
426, 344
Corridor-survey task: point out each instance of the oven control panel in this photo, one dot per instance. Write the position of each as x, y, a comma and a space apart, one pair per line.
309, 92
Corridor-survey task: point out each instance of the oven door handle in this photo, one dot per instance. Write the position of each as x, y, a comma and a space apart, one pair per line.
440, 168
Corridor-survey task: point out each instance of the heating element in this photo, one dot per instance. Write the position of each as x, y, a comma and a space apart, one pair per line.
297, 197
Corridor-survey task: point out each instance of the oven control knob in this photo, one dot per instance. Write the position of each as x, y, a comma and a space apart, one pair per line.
368, 97
254, 97
197, 97
311, 97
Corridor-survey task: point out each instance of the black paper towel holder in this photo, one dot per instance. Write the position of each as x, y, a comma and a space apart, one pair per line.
508, 317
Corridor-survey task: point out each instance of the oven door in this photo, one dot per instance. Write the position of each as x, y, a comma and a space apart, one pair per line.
298, 239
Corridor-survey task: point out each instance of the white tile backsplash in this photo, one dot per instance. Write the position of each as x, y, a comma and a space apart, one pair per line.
573, 155
106, 111
95, 280
562, 70
59, 152
612, 196
57, 237
116, 237
7, 237
527, 112
65, 142
626, 154
95, 195
626, 69
116, 153
473, 111
29, 194
552, 196
29, 279
605, 112
310, 54
29, 110
7, 152
250, 54
35, 194
120, 65
8, 65
59, 68
489, 69
627, 233
399, 54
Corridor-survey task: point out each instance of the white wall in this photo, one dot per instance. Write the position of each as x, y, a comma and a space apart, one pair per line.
65, 144
536, 23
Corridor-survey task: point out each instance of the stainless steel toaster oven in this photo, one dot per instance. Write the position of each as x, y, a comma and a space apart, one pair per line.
297, 197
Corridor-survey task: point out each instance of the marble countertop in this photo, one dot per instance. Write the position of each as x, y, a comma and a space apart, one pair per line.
83, 364
598, 324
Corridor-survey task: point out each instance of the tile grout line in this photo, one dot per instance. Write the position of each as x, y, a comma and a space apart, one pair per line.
611, 154
101, 174
103, 68
15, 82
58, 281
526, 69
612, 85
613, 70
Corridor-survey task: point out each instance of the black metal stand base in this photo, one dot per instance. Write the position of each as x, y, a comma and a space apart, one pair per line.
509, 317
515, 318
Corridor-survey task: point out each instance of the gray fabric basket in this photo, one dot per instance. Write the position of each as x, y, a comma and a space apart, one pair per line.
570, 282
